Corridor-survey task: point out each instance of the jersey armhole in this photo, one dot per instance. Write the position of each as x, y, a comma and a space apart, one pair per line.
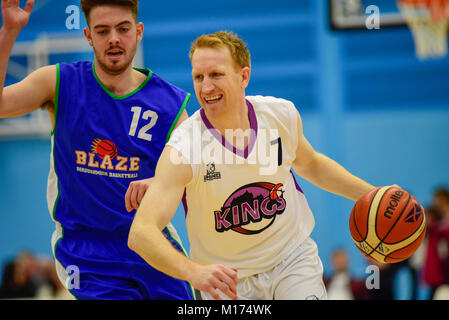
294, 122
58, 81
189, 160
183, 107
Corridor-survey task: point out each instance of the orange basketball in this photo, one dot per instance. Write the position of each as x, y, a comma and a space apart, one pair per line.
387, 224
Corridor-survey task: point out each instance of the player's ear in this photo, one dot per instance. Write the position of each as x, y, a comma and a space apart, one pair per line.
140, 28
245, 76
88, 36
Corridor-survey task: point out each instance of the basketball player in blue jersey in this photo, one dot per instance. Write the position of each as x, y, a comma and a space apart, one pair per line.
248, 220
110, 124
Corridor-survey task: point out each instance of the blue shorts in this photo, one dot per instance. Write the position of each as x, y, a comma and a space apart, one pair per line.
109, 270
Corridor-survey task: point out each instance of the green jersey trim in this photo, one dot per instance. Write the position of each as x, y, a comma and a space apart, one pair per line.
112, 95
183, 107
58, 82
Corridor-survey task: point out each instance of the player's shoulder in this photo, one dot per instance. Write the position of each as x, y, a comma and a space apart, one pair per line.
188, 125
44, 77
76, 66
275, 107
75, 73
47, 71
186, 135
269, 101
162, 83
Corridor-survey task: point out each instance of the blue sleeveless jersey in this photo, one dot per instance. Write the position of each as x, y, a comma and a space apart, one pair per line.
102, 142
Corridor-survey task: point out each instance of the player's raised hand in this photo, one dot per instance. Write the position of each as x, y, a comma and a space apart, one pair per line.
15, 18
135, 193
211, 278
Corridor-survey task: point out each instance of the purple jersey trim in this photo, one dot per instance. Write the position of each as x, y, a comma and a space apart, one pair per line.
184, 202
252, 140
296, 183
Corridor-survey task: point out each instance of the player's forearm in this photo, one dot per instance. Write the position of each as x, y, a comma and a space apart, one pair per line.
149, 242
331, 176
7, 40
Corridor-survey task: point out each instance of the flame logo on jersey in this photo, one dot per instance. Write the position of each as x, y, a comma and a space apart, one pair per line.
104, 155
104, 147
251, 209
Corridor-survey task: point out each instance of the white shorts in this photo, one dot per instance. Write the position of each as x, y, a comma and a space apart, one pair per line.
298, 277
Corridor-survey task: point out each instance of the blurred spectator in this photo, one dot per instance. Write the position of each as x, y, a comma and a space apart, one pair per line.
28, 266
341, 285
419, 259
430, 264
415, 265
441, 200
29, 277
436, 268
404, 281
52, 287
442, 293
395, 281
16, 282
385, 289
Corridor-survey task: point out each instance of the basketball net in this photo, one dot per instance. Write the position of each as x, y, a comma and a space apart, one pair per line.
428, 20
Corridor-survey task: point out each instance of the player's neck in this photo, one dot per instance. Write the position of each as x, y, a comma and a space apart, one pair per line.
123, 83
237, 121
234, 119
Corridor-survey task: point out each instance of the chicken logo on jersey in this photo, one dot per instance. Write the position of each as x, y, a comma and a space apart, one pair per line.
251, 209
211, 174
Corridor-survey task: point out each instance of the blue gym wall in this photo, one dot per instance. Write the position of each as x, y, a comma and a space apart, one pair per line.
365, 99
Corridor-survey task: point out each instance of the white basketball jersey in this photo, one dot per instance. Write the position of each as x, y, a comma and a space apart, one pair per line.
244, 208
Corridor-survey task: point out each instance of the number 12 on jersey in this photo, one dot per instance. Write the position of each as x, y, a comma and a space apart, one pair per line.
143, 132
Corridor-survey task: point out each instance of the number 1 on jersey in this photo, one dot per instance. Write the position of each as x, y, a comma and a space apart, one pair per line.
278, 141
135, 121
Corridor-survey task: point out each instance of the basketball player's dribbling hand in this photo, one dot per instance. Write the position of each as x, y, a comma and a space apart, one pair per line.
15, 18
214, 277
135, 193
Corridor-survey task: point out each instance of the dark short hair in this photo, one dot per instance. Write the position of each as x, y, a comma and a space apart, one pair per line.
88, 5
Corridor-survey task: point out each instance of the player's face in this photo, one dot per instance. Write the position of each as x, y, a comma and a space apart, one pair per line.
219, 84
114, 36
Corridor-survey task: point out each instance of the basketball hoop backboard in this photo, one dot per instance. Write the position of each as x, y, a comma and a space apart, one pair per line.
428, 20
352, 14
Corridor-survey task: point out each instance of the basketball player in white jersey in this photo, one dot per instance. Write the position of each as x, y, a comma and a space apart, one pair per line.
231, 163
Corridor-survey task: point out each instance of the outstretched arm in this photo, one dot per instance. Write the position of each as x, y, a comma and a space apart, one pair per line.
155, 211
38, 88
14, 19
325, 172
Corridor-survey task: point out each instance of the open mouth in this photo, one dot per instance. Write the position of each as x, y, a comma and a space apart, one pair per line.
114, 53
213, 99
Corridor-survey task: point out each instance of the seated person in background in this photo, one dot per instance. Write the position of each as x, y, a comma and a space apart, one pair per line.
17, 281
341, 285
